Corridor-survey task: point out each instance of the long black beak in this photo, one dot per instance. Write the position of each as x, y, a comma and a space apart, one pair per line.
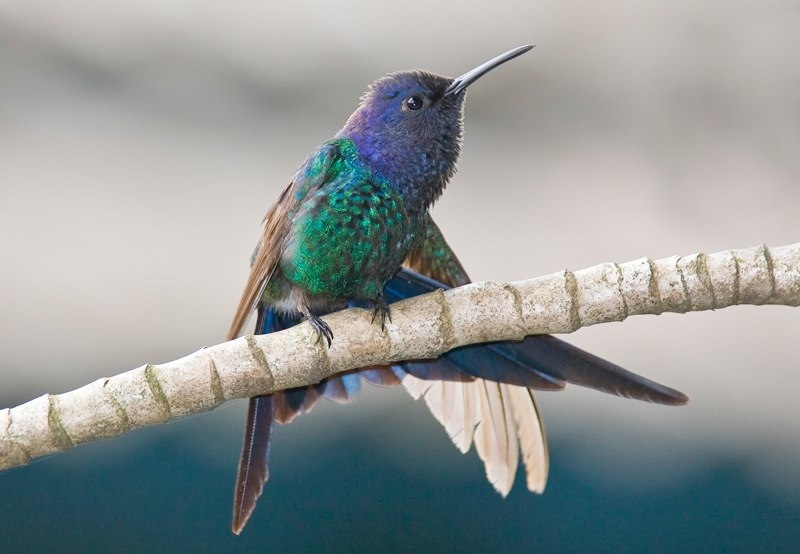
460, 83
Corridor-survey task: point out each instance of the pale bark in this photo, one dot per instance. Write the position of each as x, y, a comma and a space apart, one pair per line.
422, 327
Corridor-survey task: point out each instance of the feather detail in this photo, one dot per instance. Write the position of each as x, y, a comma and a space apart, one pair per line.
472, 414
458, 421
381, 376
254, 463
496, 438
532, 440
311, 175
342, 388
284, 413
512, 444
416, 387
455, 405
435, 259
434, 398
265, 259
563, 361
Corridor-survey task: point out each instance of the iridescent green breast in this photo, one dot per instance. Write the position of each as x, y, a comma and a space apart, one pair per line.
348, 236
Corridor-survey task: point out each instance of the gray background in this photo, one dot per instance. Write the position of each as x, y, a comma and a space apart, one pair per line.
142, 142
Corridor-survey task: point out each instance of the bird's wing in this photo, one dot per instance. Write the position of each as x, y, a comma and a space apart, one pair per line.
434, 258
312, 174
500, 418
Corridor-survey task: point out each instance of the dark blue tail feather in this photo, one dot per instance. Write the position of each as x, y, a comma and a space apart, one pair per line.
553, 361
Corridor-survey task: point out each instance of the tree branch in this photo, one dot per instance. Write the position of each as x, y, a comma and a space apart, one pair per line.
421, 327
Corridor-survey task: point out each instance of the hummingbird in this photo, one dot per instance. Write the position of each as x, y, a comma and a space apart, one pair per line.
353, 229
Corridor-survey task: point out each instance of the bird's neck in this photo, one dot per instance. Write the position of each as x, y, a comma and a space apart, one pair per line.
417, 170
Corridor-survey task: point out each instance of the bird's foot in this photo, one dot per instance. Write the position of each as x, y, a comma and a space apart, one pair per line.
382, 311
322, 328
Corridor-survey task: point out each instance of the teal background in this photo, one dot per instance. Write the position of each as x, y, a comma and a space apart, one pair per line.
141, 143
363, 492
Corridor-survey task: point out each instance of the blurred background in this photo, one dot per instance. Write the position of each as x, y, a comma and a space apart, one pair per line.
142, 142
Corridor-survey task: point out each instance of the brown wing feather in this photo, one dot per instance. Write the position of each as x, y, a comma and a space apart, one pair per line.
276, 226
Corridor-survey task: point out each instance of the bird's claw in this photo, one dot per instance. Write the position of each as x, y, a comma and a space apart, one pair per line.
382, 310
323, 329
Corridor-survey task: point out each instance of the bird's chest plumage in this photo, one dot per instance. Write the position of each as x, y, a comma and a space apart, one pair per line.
348, 238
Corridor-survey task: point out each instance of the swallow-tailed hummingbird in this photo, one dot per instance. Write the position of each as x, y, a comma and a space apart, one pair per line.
352, 229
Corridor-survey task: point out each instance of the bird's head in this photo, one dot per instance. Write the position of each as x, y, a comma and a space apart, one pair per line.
409, 125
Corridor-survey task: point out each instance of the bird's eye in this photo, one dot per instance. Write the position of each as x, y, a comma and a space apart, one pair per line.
414, 103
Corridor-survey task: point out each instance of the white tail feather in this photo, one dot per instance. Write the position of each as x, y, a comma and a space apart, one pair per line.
532, 440
501, 419
416, 387
470, 408
496, 438
460, 412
